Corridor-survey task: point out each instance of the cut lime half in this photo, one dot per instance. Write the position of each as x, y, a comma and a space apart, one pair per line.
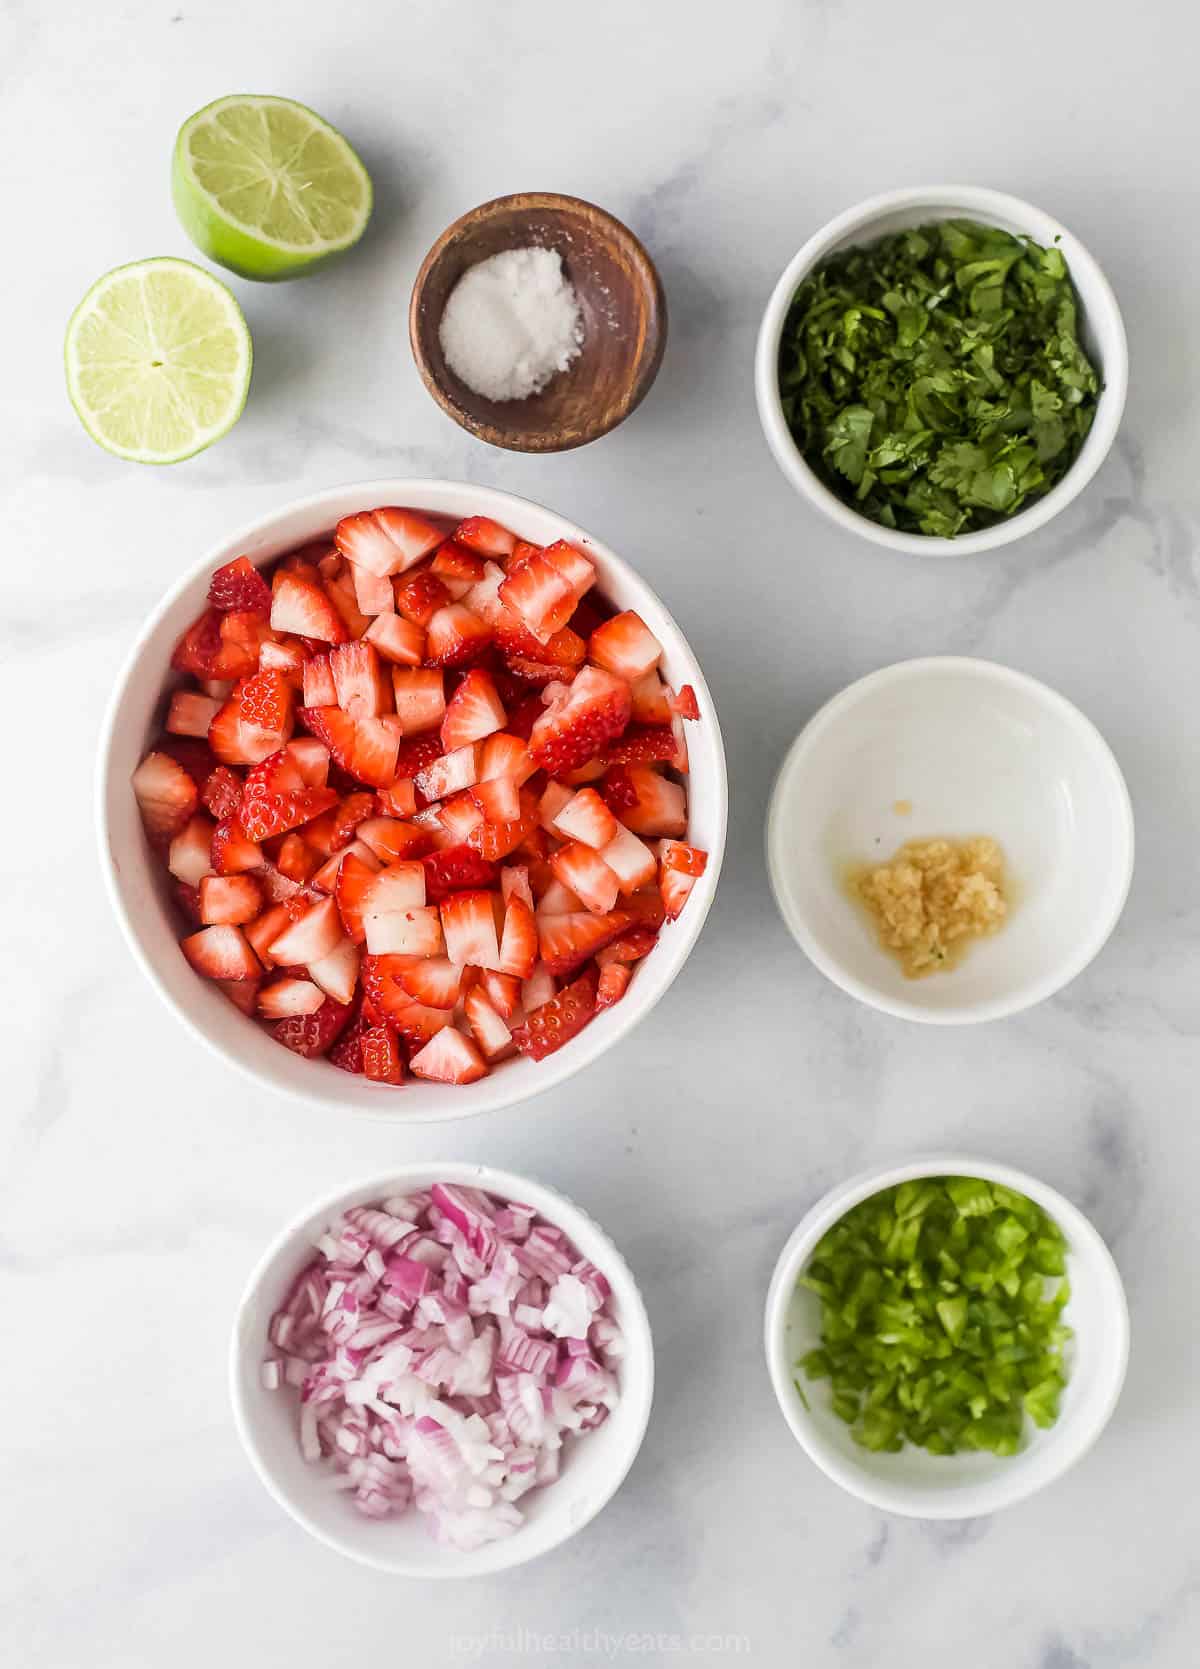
158, 360
267, 188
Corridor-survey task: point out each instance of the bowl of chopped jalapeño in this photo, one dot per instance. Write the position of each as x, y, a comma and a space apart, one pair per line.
946, 1336
941, 370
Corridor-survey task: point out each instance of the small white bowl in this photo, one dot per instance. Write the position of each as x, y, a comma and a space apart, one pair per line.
1101, 328
137, 879
267, 1421
974, 749
913, 1482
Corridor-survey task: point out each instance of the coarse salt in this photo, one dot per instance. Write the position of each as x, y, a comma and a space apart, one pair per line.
511, 323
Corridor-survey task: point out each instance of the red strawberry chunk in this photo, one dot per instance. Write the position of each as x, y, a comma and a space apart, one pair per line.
456, 637
677, 854
416, 753
288, 996
366, 748
354, 881
480, 533
391, 839
191, 713
222, 792
335, 828
296, 858
685, 703
643, 744
420, 596
455, 562
625, 645
576, 569
346, 1053
503, 991
239, 586
381, 1055
373, 593
644, 801
300, 606
413, 931
221, 953
489, 1028
651, 700
495, 841
275, 799
456, 869
630, 947
318, 687
313, 1034
630, 859
230, 852
587, 875
519, 940
363, 689
166, 796
310, 937
469, 927
591, 711
397, 640
585, 817
539, 595
475, 711
434, 981
399, 798
566, 941
675, 885
387, 540
449, 1058
337, 973
504, 755
256, 720
514, 883
420, 697
189, 854
449, 774
613, 982
559, 1020
498, 800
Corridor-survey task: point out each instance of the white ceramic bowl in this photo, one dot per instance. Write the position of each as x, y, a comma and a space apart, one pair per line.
267, 1422
913, 1482
138, 884
974, 749
1102, 331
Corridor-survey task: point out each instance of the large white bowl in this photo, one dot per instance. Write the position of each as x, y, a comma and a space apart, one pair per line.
913, 1482
267, 1421
975, 749
138, 884
1101, 328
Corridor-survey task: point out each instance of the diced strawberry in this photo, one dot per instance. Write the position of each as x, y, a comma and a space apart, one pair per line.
585, 872
299, 606
625, 645
188, 900
522, 718
296, 858
222, 792
354, 881
434, 981
474, 711
490, 1031
391, 839
456, 869
366, 748
288, 658
519, 941
387, 540
456, 637
495, 841
685, 703
166, 796
231, 853
410, 932
193, 754
449, 774
397, 639
630, 859
191, 713
239, 586
497, 800
275, 798
284, 997
585, 817
459, 816
469, 927
590, 771
592, 711
372, 592
221, 953
311, 936
420, 699
645, 907
612, 984
554, 897
565, 942
313, 1034
280, 889
630, 947
677, 854
335, 828
650, 700
337, 973
319, 689
480, 533
255, 722
644, 801
325, 879
363, 688
204, 652
339, 588
229, 900
537, 674
577, 570
539, 595
381, 1055
556, 797
397, 887
399, 798
556, 1022
265, 928
242, 993
449, 1058
514, 883
675, 885
430, 823
385, 998
346, 1053
455, 562
189, 856
311, 759
503, 991
420, 596
503, 755
643, 744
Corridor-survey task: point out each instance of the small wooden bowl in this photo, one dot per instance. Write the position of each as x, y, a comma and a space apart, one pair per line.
624, 321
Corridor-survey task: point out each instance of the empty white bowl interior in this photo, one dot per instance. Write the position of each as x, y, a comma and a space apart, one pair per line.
1100, 327
140, 886
267, 1421
914, 1482
973, 749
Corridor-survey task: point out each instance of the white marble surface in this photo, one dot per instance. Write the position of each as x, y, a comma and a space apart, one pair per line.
140, 1178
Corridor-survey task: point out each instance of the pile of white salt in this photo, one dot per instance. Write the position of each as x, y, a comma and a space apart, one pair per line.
511, 323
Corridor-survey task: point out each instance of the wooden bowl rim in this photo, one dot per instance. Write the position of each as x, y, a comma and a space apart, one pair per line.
643, 372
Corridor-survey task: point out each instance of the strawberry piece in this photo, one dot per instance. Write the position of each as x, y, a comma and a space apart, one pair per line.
514, 883
420, 596
536, 674
503, 991
591, 711
630, 947
381, 1055
420, 697
391, 839
503, 755
221, 953
434, 981
489, 1028
565, 942
457, 868
482, 534
556, 1022
644, 801
455, 562
449, 1058
387, 540
494, 841
354, 881
587, 875
318, 688
646, 907
229, 900
449, 774
191, 713
625, 645
475, 711
201, 652
415, 931
299, 606
675, 885
577, 570
399, 798
337, 973
630, 859
373, 593
346, 1053
335, 828
296, 858
555, 898
242, 993
460, 816
188, 900
325, 879
677, 854
189, 854
456, 637
289, 996
415, 754
310, 937
239, 586
230, 852
556, 797
397, 640
498, 800
519, 940
339, 588
363, 689
256, 720
222, 792
313, 1034
522, 718
642, 744
288, 658
275, 798
268, 926
650, 700
585, 817
685, 703
612, 984
366, 747
536, 591
469, 927
166, 796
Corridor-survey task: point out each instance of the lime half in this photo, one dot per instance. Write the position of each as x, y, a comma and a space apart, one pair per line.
266, 188
158, 360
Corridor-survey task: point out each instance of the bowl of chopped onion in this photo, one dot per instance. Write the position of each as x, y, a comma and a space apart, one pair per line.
442, 1371
947, 1336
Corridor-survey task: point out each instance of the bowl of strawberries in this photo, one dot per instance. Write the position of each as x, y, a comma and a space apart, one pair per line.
412, 799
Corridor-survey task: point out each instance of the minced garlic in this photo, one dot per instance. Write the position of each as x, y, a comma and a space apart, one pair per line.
931, 899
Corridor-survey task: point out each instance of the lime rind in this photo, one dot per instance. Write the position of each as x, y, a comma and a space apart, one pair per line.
158, 359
